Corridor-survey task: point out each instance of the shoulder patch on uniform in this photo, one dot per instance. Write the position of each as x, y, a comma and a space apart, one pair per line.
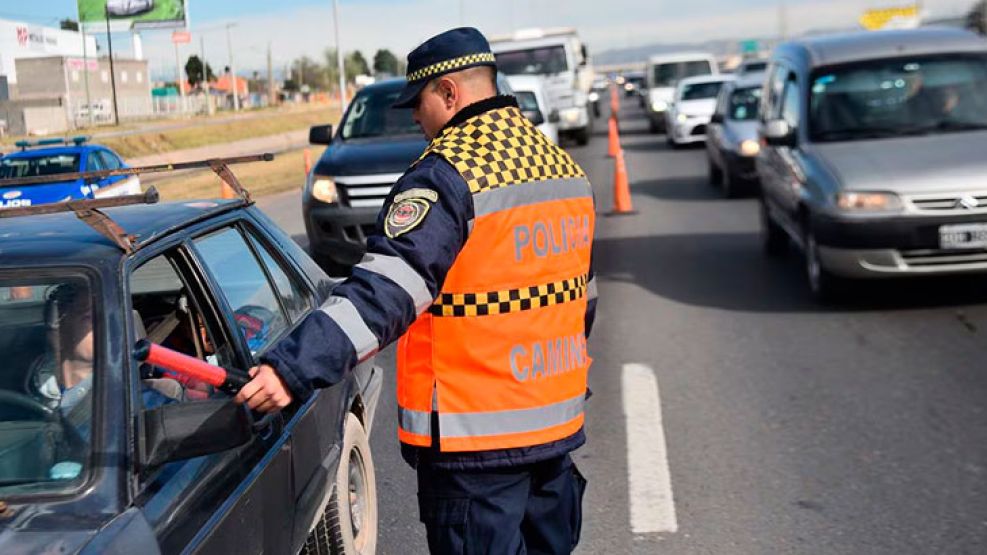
427, 194
406, 214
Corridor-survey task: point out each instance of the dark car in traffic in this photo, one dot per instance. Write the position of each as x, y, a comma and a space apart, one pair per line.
99, 454
732, 143
874, 155
370, 150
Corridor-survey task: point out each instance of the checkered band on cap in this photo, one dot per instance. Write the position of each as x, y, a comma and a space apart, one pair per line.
510, 300
447, 65
500, 148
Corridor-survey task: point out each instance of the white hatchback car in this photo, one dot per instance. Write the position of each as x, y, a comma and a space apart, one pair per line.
533, 101
692, 108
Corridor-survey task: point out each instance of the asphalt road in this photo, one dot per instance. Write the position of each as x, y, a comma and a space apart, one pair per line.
789, 427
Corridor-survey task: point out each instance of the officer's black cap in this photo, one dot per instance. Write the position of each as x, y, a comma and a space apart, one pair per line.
450, 51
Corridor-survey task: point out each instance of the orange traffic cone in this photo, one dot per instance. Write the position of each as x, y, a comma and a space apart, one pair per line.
622, 205
613, 148
614, 101
308, 162
225, 191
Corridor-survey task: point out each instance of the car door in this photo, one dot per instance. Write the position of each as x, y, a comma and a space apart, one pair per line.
263, 506
787, 167
768, 163
170, 303
715, 140
315, 426
110, 162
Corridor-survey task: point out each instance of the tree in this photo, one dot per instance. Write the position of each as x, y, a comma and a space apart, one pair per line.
975, 18
193, 70
309, 72
68, 25
355, 64
331, 67
386, 62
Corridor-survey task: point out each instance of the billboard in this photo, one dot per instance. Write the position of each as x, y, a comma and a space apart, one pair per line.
125, 15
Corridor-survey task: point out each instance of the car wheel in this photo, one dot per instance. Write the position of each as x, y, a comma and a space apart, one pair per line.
349, 524
652, 126
773, 237
582, 136
731, 185
714, 171
824, 286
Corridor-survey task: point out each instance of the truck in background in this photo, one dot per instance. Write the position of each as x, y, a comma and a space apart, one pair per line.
560, 57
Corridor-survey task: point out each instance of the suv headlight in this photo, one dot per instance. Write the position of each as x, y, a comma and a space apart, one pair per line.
868, 202
659, 106
323, 188
749, 148
682, 118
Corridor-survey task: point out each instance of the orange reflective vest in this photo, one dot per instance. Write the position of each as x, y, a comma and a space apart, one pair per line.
501, 354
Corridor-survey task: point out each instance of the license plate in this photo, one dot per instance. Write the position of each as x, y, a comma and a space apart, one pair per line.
963, 236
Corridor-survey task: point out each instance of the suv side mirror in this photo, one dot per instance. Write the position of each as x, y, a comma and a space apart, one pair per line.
180, 431
534, 116
320, 134
777, 132
717, 118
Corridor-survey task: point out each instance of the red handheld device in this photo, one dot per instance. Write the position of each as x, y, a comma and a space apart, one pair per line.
229, 381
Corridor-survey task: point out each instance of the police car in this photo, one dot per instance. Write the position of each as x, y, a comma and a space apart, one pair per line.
49, 157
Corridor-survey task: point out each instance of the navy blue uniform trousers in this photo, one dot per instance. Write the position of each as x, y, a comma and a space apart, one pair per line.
529, 509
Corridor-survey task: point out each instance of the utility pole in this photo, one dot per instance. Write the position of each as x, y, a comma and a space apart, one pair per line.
178, 79
782, 20
236, 89
85, 74
270, 77
339, 58
113, 75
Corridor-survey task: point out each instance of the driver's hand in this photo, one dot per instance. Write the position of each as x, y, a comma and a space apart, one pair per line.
266, 392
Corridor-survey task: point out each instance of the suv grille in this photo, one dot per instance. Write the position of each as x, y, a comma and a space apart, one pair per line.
366, 191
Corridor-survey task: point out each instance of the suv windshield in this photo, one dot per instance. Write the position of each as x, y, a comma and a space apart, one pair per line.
905, 96
51, 164
371, 115
744, 104
46, 386
701, 91
534, 61
666, 75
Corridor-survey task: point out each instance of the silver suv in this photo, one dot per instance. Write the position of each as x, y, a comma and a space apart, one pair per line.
874, 154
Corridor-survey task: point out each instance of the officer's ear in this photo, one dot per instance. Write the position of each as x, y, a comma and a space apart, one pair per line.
448, 91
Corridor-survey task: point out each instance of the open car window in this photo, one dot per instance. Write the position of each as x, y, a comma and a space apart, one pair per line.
49, 336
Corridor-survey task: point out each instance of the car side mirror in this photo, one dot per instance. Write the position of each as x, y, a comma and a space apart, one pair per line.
717, 118
534, 116
180, 431
553, 116
777, 132
320, 134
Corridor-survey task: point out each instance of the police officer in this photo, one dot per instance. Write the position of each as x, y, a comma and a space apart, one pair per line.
481, 267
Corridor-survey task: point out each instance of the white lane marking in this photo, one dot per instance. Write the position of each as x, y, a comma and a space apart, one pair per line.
650, 482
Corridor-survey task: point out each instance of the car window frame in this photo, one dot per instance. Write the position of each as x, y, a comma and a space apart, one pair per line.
100, 393
287, 266
91, 156
770, 105
792, 82
106, 154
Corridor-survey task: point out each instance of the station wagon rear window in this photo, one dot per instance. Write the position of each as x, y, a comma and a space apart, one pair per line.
46, 385
53, 164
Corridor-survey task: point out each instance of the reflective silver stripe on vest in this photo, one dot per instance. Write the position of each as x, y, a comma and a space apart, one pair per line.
532, 192
414, 421
397, 270
591, 292
342, 311
519, 421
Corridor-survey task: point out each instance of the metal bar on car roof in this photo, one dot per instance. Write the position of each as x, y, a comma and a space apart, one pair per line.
161, 168
148, 197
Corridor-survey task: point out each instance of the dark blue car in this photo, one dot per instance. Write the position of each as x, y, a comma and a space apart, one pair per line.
50, 157
100, 455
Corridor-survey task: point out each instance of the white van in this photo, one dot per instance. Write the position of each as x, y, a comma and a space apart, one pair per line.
663, 74
533, 101
560, 58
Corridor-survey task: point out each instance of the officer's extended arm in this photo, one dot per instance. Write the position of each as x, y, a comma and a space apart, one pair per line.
395, 282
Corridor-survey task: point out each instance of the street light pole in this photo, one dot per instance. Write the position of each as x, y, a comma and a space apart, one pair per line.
113, 77
339, 58
236, 91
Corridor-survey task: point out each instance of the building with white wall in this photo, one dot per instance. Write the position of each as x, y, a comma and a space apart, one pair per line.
24, 40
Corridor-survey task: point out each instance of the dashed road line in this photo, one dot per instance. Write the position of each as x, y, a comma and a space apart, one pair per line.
650, 483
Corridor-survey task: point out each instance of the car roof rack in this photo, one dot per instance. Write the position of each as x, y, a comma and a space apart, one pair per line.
88, 210
78, 140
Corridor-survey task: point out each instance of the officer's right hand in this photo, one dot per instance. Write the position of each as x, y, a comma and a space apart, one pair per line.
266, 392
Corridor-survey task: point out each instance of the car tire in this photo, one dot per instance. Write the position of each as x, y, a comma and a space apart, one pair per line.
731, 185
825, 287
349, 524
652, 126
582, 136
773, 237
715, 173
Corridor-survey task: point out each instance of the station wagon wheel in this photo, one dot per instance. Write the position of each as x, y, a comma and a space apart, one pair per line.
773, 237
349, 524
824, 286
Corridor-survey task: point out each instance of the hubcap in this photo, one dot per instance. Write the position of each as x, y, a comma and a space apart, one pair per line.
357, 497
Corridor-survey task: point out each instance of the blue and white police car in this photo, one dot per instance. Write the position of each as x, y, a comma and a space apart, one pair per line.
47, 157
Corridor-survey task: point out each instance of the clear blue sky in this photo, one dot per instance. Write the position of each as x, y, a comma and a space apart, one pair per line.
304, 27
